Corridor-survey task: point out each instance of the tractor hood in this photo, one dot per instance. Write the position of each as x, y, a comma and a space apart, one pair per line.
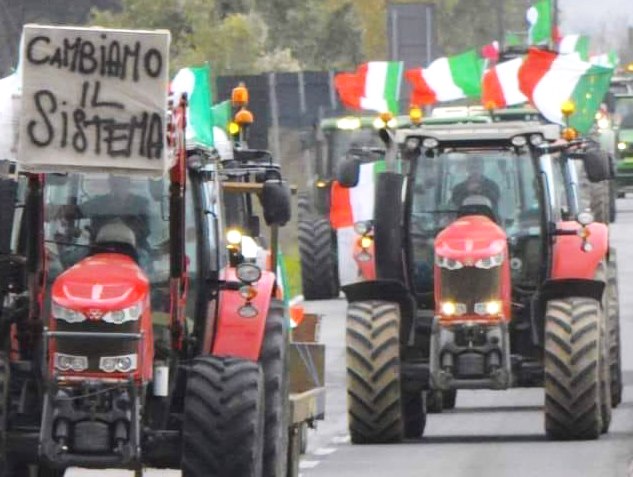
107, 281
469, 239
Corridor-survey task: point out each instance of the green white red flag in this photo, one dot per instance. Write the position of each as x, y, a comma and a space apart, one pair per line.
446, 79
549, 79
355, 204
500, 85
375, 86
540, 21
195, 82
575, 44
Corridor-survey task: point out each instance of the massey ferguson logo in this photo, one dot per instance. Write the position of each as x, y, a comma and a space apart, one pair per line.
94, 315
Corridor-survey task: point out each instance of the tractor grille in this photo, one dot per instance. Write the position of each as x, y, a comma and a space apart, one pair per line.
470, 285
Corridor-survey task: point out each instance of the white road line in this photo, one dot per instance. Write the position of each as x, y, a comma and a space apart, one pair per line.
325, 450
309, 464
341, 440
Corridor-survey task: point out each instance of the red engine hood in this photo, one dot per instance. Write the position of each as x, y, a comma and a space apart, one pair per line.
470, 238
108, 281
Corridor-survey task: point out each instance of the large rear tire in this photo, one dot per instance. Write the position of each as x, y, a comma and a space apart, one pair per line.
434, 402
600, 201
613, 321
223, 426
274, 362
573, 377
319, 268
377, 410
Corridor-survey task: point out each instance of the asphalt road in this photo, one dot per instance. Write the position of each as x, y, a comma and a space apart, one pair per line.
490, 433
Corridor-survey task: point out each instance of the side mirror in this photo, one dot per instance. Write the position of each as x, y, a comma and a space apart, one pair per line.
276, 202
348, 172
597, 165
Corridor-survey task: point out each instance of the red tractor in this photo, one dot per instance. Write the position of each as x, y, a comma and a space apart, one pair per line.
488, 277
128, 337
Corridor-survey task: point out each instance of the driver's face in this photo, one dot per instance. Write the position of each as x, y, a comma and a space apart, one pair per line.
475, 169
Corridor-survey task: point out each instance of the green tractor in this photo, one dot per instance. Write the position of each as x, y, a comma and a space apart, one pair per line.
324, 148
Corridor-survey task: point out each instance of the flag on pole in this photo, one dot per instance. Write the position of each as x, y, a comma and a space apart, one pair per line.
539, 18
575, 44
608, 60
549, 79
447, 79
195, 82
500, 85
221, 114
355, 204
374, 86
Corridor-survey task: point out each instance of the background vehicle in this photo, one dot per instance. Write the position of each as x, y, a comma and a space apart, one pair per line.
483, 295
323, 267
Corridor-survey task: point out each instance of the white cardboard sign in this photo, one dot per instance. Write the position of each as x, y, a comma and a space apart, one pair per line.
93, 99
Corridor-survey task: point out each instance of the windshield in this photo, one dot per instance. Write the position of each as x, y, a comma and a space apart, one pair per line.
339, 141
498, 183
624, 112
88, 213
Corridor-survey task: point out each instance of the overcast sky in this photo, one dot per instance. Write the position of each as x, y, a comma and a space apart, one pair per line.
605, 20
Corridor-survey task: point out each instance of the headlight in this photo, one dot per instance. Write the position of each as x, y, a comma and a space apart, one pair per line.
69, 362
621, 146
133, 313
365, 242
363, 228
492, 307
430, 143
248, 272
490, 262
234, 237
123, 364
66, 314
449, 308
449, 263
519, 141
247, 311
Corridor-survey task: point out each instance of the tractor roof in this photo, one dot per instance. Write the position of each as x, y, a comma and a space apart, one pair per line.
480, 134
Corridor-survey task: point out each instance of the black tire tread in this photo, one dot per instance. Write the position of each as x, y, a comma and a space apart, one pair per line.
572, 369
374, 398
317, 251
274, 362
613, 321
223, 419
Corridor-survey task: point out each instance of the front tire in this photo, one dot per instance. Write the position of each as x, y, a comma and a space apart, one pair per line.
613, 322
223, 426
573, 383
319, 268
274, 362
377, 410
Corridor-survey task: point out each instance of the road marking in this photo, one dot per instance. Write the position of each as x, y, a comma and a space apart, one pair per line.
341, 439
309, 464
324, 451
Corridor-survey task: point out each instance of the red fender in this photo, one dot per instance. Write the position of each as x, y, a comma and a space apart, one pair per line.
237, 336
570, 261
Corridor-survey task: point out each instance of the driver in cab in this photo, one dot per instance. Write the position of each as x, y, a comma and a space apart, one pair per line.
476, 187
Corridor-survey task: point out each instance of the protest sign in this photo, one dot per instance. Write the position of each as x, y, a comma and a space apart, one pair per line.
93, 99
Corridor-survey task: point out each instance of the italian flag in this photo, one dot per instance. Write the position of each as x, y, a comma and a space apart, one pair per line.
374, 86
549, 79
608, 60
539, 18
500, 85
575, 44
446, 79
355, 204
195, 82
